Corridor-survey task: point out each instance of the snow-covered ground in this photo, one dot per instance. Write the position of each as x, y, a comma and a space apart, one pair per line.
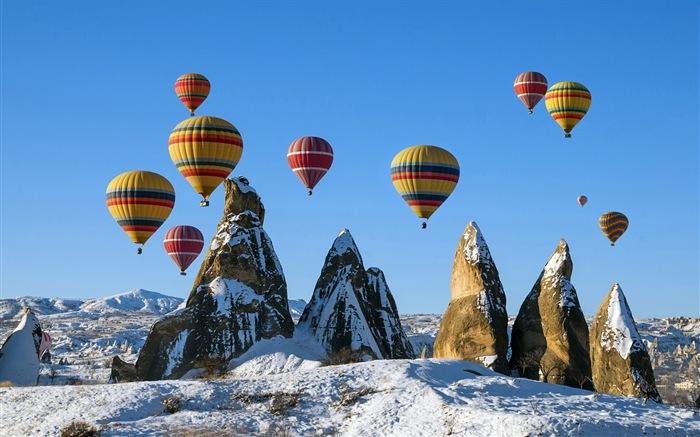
280, 388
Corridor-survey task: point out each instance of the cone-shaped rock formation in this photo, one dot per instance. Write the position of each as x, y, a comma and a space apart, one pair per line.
352, 308
619, 358
19, 355
549, 341
475, 324
239, 297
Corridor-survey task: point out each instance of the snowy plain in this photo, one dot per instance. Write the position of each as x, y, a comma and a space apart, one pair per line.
280, 388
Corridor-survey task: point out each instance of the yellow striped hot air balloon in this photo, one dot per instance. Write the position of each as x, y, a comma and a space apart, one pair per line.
192, 89
613, 224
205, 150
140, 201
567, 103
424, 176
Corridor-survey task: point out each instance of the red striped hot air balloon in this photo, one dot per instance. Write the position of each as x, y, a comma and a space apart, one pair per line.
613, 224
530, 87
310, 158
582, 200
183, 244
192, 89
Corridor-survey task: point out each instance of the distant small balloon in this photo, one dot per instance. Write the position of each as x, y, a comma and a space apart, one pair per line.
192, 89
582, 200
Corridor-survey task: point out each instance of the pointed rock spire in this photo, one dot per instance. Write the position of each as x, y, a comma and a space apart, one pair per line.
352, 308
239, 296
620, 359
19, 355
549, 341
475, 324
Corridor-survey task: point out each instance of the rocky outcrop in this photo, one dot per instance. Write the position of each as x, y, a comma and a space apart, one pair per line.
619, 357
549, 341
239, 296
352, 308
19, 355
475, 324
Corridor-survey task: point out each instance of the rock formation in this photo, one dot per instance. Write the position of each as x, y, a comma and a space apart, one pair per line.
620, 360
475, 325
239, 297
352, 308
19, 355
549, 341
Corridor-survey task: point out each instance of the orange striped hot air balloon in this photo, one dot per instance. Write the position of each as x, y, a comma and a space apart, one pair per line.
567, 103
183, 244
613, 224
192, 89
582, 200
205, 150
424, 176
530, 87
310, 158
140, 201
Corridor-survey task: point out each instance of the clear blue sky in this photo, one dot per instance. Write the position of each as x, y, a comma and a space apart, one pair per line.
87, 94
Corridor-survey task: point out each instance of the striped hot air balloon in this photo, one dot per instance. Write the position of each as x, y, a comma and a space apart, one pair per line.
613, 224
192, 89
582, 200
140, 201
424, 176
310, 158
205, 150
183, 244
567, 103
530, 87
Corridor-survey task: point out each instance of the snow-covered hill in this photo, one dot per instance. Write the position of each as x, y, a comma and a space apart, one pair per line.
279, 387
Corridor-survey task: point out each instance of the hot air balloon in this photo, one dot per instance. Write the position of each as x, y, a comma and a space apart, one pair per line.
183, 244
205, 150
530, 87
424, 176
140, 201
613, 224
582, 200
192, 89
567, 103
310, 158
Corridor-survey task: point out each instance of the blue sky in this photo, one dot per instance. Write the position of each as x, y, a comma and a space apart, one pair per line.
87, 94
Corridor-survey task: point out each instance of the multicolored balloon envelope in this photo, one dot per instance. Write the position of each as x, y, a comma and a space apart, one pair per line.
530, 87
424, 176
140, 201
192, 89
613, 224
582, 200
183, 244
567, 103
310, 158
205, 150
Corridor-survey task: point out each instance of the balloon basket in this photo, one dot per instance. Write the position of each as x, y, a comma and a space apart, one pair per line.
310, 192
183, 274
139, 251
424, 225
204, 203
567, 135
530, 111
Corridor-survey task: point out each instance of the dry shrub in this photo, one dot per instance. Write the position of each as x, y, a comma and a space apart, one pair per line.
213, 367
80, 429
171, 405
346, 355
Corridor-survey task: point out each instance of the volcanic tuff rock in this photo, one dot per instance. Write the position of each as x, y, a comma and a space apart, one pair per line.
19, 355
475, 325
620, 360
353, 308
549, 341
239, 296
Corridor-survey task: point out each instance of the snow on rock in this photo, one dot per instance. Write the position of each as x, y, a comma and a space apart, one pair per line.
475, 324
352, 307
620, 359
19, 355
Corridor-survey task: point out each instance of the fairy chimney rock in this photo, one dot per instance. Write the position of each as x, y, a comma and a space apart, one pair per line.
352, 308
239, 296
620, 360
475, 324
549, 341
